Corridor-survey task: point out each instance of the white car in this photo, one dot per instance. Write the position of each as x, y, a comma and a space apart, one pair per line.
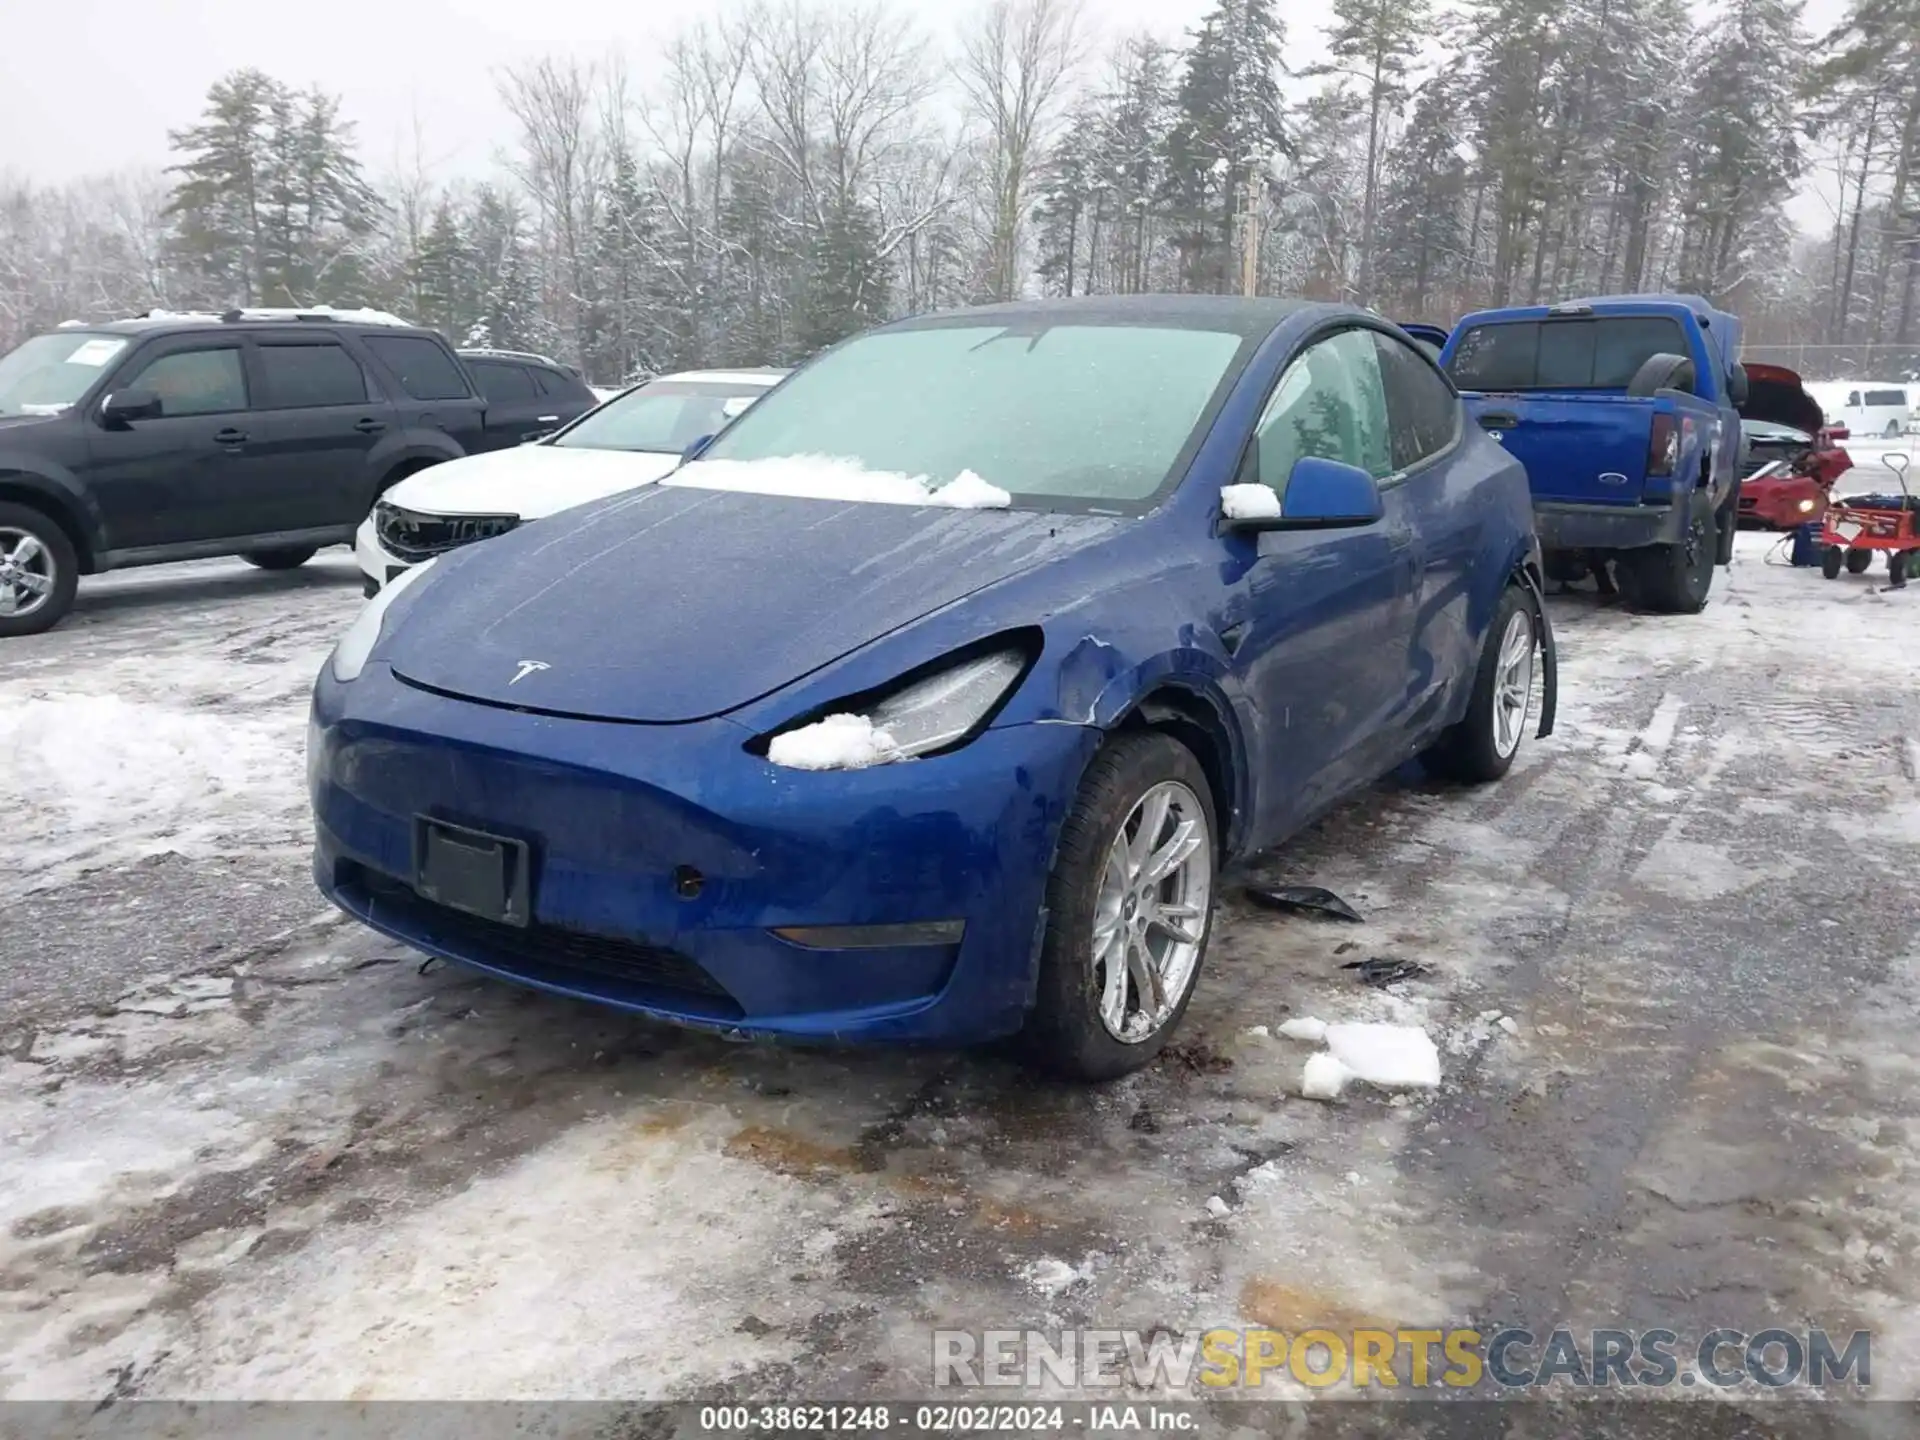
630, 441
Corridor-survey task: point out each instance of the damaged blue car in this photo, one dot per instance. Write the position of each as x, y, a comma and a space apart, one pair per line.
927, 701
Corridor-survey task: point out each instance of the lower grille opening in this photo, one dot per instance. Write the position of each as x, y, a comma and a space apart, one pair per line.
552, 954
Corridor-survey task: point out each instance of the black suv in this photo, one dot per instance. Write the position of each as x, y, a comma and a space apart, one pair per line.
527, 395
260, 433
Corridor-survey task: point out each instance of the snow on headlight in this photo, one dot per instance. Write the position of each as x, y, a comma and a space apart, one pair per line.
839, 742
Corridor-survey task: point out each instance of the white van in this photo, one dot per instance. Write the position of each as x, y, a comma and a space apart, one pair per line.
1866, 407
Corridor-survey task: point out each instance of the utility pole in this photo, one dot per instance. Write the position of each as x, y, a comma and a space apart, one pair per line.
1256, 203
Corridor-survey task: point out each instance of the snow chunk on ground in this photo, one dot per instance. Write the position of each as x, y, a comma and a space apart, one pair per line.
1305, 1028
839, 742
1249, 502
829, 477
1218, 1208
1324, 1077
1049, 1276
1390, 1056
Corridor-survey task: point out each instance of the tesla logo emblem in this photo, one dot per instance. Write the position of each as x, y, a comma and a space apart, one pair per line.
527, 667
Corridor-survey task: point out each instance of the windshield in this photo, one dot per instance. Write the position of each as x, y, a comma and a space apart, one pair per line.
1598, 354
49, 372
666, 416
1079, 416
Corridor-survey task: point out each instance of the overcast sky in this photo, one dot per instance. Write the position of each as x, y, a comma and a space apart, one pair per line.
94, 85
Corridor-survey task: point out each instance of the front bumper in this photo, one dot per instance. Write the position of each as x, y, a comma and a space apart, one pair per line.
616, 816
1782, 504
377, 566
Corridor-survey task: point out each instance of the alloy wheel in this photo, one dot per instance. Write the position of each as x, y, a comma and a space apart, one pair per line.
1151, 914
1513, 684
27, 573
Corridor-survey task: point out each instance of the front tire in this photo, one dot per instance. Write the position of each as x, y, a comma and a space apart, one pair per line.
291, 557
1480, 749
1675, 579
1129, 911
39, 572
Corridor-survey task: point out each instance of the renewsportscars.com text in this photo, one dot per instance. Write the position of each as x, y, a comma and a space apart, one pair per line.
1378, 1359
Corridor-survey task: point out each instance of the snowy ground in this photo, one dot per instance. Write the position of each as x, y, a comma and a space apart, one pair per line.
253, 1153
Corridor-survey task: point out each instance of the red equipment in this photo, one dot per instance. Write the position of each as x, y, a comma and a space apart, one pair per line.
1797, 454
1858, 526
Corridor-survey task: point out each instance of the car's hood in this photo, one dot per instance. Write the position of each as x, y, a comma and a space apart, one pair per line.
676, 604
528, 480
16, 423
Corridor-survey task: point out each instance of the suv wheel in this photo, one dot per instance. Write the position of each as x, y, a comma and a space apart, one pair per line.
1129, 909
290, 558
38, 571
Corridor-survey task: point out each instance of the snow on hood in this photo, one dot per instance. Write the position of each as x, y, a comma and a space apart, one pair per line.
528, 480
828, 477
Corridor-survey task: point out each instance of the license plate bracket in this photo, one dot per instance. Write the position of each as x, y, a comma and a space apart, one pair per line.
472, 871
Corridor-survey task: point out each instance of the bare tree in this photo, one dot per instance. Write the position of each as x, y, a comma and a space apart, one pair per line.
560, 162
1015, 66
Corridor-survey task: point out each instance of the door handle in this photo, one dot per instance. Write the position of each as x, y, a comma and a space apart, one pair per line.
229, 436
546, 419
1499, 420
369, 427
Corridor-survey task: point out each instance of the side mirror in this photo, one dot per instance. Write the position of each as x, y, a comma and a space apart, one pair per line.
123, 407
696, 449
1321, 495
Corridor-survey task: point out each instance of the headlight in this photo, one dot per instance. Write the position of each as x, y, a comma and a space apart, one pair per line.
1806, 507
350, 655
922, 716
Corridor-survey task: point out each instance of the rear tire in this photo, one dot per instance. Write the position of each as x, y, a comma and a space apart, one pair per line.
291, 557
1858, 561
39, 572
1831, 559
1674, 579
1481, 748
1897, 570
1099, 969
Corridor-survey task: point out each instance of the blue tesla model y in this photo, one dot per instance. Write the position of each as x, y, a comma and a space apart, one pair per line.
927, 700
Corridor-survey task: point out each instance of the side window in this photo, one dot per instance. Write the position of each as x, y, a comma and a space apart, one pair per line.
552, 382
1329, 403
195, 382
424, 370
1423, 414
1853, 397
300, 377
501, 384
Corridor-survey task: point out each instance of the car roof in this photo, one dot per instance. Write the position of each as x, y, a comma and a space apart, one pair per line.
766, 377
1239, 314
249, 318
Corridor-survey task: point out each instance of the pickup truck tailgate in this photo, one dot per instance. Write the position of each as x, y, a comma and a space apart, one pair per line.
1586, 449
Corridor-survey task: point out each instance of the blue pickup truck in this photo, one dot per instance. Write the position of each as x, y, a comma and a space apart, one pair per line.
1624, 411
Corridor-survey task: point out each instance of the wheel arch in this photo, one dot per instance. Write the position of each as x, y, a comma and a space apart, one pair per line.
409, 464
18, 487
1199, 722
